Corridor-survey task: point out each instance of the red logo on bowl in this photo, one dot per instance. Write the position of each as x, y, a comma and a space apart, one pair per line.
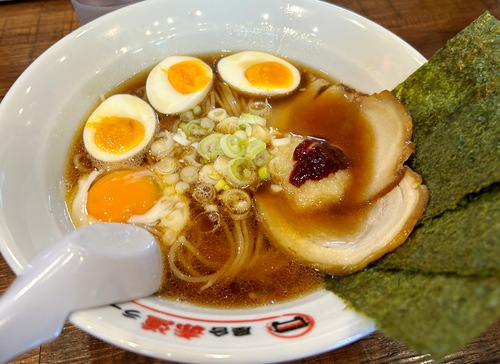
291, 326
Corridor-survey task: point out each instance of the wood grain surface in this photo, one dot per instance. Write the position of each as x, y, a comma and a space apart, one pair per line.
28, 28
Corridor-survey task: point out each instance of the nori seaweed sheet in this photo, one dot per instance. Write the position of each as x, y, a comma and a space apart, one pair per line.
435, 314
454, 100
464, 241
441, 289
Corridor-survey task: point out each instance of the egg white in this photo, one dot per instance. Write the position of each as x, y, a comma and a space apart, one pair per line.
120, 105
79, 214
164, 97
81, 217
232, 70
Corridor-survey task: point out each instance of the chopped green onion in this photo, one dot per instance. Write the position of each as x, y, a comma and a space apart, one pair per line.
251, 119
238, 202
240, 134
254, 147
263, 172
217, 114
208, 174
220, 164
275, 166
189, 174
207, 124
279, 142
171, 179
194, 130
162, 146
166, 165
260, 108
241, 172
181, 139
232, 120
260, 132
248, 130
228, 126
232, 146
221, 185
261, 158
210, 146
204, 193
197, 110
181, 186
187, 116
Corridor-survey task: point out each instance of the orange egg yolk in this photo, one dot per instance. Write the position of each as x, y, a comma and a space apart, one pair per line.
117, 135
120, 194
269, 75
188, 76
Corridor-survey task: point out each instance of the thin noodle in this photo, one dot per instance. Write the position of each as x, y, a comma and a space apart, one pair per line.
175, 126
176, 271
230, 261
238, 262
209, 279
212, 100
227, 100
196, 254
231, 265
191, 248
249, 243
259, 240
152, 230
208, 103
185, 261
222, 102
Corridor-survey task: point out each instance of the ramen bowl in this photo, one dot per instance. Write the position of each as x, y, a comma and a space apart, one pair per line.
44, 109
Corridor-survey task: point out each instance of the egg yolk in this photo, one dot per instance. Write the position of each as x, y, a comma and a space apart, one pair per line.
188, 76
120, 194
117, 135
269, 75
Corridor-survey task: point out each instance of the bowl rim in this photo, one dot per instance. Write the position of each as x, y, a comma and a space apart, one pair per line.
87, 319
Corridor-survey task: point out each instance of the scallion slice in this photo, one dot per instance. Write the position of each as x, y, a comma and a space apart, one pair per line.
254, 147
251, 119
263, 172
210, 146
232, 146
241, 172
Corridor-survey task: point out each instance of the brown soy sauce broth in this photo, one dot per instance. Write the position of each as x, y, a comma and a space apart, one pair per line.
274, 277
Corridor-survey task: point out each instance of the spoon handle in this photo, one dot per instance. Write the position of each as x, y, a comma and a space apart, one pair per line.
30, 314
93, 266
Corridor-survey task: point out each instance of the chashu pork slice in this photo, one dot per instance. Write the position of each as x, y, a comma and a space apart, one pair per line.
329, 244
373, 131
392, 127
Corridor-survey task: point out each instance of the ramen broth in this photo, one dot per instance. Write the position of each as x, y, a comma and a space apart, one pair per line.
272, 276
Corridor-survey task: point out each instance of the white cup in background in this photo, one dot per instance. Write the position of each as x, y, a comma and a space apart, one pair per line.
88, 10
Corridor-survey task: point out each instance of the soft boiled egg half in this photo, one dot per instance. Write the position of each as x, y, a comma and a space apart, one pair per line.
119, 129
178, 83
115, 196
259, 73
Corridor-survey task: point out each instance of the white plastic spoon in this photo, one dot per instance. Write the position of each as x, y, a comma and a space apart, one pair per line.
93, 266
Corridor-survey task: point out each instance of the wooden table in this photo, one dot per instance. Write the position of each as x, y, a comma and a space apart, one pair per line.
29, 27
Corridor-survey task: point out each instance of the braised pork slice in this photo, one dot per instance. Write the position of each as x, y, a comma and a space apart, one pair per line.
340, 195
341, 242
372, 132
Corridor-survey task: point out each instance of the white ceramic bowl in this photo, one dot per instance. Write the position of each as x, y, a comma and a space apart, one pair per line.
41, 113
